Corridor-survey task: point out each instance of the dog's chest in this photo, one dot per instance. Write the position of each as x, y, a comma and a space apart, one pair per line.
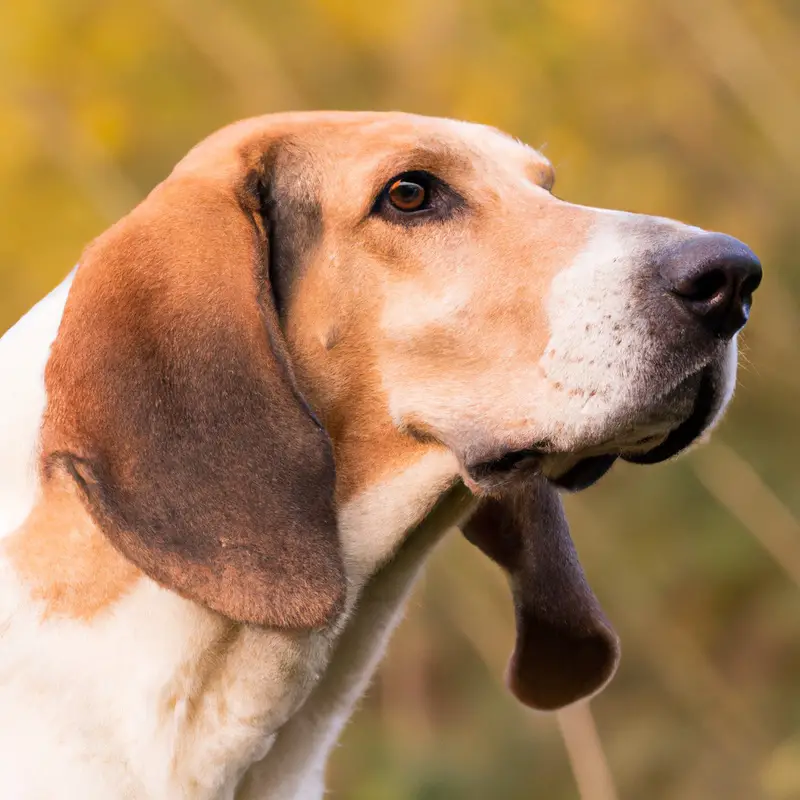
158, 699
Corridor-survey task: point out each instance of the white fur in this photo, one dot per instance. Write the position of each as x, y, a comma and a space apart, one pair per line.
610, 372
23, 354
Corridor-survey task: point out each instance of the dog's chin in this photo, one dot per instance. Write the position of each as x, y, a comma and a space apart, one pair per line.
573, 472
707, 405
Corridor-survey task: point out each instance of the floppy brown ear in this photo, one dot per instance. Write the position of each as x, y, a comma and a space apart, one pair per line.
565, 649
172, 403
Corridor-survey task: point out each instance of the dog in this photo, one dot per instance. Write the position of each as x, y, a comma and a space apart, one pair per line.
233, 434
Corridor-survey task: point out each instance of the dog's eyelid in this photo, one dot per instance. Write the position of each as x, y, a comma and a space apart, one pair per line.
420, 176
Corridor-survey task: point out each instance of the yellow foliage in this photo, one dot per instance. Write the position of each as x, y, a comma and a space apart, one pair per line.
672, 107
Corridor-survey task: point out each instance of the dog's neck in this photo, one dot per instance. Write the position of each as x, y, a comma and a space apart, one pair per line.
215, 694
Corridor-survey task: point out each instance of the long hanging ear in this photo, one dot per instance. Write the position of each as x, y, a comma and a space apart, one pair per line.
172, 404
565, 649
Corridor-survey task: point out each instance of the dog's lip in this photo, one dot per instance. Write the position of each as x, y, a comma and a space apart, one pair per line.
530, 460
585, 473
581, 475
680, 437
507, 462
588, 470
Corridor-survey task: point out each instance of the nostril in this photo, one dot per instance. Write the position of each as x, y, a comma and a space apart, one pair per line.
711, 285
749, 285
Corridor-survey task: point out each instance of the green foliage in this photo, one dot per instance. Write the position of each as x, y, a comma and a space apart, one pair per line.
669, 107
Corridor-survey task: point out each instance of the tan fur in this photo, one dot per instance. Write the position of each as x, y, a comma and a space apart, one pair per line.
69, 566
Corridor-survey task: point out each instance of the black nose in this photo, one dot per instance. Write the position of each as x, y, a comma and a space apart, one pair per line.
714, 277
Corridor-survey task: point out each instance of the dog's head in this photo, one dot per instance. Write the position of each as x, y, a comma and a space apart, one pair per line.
303, 280
514, 327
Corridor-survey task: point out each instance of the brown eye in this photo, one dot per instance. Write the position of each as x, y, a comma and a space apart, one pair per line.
407, 195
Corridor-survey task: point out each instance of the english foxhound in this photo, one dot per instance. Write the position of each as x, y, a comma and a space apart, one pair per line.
231, 436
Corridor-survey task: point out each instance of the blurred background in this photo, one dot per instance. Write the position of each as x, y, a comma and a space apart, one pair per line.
684, 108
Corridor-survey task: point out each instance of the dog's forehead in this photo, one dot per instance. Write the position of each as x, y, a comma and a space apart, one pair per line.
468, 147
414, 132
368, 138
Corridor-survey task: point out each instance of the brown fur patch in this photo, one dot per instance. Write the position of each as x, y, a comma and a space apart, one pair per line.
66, 561
171, 401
